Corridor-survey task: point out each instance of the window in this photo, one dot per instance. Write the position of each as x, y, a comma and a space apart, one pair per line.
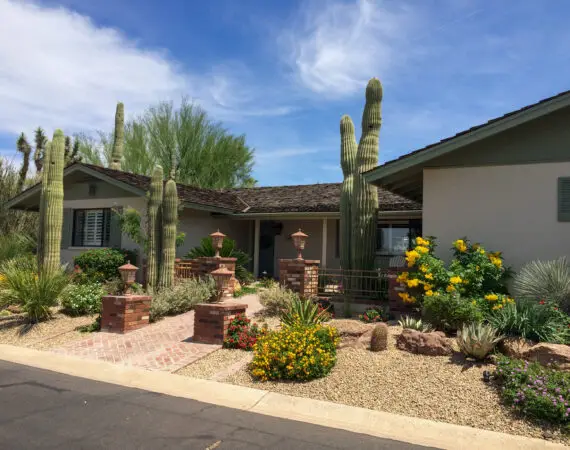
395, 238
564, 199
91, 227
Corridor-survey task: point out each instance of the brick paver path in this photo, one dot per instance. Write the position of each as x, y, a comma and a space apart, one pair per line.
166, 345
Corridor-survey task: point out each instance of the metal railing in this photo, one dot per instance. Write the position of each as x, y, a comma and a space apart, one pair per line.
353, 284
184, 268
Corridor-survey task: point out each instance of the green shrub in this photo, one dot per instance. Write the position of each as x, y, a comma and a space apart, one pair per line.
448, 312
295, 353
116, 286
245, 290
529, 319
302, 312
373, 315
35, 292
267, 283
242, 334
80, 299
411, 323
276, 299
538, 392
102, 264
477, 339
182, 297
15, 245
545, 280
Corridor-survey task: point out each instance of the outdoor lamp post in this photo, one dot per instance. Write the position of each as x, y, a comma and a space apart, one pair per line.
217, 241
222, 276
128, 274
299, 239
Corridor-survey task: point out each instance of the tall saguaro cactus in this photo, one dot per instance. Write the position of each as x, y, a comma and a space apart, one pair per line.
52, 207
169, 222
154, 224
119, 137
348, 149
43, 193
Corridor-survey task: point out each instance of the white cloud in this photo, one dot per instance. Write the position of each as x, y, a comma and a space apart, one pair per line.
271, 155
338, 47
58, 69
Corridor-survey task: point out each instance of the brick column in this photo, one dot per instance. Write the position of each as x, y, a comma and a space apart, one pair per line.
300, 275
124, 313
397, 306
211, 321
205, 265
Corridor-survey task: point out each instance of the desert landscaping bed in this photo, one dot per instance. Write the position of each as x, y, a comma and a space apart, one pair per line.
60, 329
441, 388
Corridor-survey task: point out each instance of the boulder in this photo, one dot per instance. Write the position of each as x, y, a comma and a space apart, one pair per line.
431, 344
544, 353
353, 333
515, 347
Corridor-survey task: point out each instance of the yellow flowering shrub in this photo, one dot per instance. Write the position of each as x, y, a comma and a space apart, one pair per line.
493, 302
295, 353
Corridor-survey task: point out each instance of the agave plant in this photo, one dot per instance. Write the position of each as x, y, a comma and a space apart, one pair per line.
548, 280
477, 339
303, 312
415, 324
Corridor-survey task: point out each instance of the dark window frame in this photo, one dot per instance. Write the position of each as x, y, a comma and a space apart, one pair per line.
105, 228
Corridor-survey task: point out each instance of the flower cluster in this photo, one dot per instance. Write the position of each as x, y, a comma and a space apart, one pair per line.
371, 316
295, 353
242, 334
498, 301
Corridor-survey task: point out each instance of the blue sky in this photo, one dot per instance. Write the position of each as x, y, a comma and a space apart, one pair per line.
283, 73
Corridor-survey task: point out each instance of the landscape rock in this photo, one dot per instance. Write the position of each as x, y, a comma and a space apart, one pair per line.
545, 353
515, 347
431, 344
353, 333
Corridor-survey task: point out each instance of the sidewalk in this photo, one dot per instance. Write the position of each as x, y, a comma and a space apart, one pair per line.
165, 345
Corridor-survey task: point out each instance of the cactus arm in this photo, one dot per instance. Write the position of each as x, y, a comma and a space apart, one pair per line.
348, 150
42, 218
169, 223
154, 227
119, 137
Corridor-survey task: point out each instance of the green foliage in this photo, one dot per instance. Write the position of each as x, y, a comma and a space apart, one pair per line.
449, 312
267, 282
303, 312
206, 154
242, 334
101, 264
373, 315
276, 299
182, 297
529, 319
229, 250
245, 290
545, 280
411, 323
34, 291
540, 393
295, 353
15, 245
80, 299
477, 339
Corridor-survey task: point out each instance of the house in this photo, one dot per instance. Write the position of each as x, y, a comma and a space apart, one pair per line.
261, 219
505, 183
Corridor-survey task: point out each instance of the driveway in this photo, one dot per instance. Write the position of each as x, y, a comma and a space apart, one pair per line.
48, 410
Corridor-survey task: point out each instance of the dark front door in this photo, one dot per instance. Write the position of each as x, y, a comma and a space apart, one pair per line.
268, 229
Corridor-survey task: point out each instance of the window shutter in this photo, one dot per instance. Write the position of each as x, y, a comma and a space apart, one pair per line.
78, 224
115, 233
67, 228
564, 199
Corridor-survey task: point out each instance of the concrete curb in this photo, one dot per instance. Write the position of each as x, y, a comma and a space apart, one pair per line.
349, 418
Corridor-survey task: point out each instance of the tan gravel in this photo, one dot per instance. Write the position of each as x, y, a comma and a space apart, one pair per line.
437, 388
210, 365
44, 335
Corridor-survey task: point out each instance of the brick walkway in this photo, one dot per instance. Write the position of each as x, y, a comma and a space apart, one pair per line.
166, 345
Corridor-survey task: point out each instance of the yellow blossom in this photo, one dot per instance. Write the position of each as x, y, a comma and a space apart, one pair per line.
422, 241
491, 297
429, 293
474, 303
414, 282
455, 280
428, 287
499, 306
402, 277
422, 249
450, 288
407, 298
411, 257
424, 268
429, 276
459, 244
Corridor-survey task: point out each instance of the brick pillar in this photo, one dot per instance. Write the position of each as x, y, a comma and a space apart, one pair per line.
211, 321
397, 306
124, 313
205, 265
300, 275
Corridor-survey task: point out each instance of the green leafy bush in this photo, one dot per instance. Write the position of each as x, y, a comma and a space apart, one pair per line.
373, 315
537, 392
35, 292
229, 250
411, 323
80, 299
242, 334
276, 299
448, 312
295, 353
529, 319
101, 264
182, 297
477, 339
303, 312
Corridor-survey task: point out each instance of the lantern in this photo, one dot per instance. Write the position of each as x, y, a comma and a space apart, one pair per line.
128, 273
217, 241
299, 239
222, 276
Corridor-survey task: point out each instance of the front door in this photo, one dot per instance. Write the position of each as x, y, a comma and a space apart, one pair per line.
268, 229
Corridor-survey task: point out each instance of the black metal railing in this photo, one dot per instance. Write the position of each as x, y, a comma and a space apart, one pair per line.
353, 284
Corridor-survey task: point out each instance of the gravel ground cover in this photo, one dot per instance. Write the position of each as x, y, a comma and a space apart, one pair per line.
57, 331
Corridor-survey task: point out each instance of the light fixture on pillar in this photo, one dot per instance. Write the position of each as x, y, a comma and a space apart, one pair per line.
217, 241
222, 276
128, 274
299, 239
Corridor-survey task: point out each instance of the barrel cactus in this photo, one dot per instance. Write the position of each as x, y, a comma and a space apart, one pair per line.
119, 137
379, 338
154, 227
169, 222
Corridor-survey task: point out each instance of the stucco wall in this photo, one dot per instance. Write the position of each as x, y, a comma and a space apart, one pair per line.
508, 208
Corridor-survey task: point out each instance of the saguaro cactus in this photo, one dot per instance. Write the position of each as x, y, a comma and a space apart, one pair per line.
365, 196
348, 149
119, 138
53, 205
44, 187
154, 227
169, 222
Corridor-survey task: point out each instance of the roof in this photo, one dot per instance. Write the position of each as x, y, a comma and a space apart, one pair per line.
461, 139
317, 198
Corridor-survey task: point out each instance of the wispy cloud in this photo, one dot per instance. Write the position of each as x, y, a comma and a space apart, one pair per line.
272, 155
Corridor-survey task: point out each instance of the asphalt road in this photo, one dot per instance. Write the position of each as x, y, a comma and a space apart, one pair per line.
47, 410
